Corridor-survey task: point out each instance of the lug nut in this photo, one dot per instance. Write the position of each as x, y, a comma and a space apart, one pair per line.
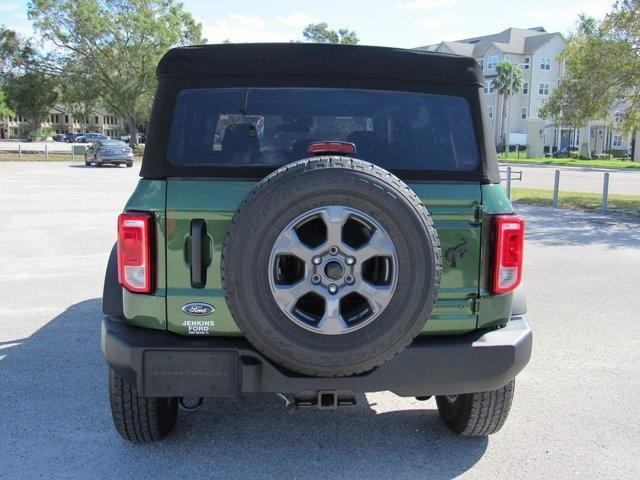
349, 279
317, 260
333, 289
333, 250
350, 260
315, 279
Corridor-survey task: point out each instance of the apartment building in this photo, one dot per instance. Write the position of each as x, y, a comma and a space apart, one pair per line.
536, 52
61, 120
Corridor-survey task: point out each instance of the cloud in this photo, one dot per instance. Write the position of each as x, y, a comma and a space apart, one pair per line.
247, 21
436, 21
568, 15
426, 4
296, 20
237, 27
10, 8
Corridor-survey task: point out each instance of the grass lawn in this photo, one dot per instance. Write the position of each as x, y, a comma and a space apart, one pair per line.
534, 196
39, 157
613, 163
32, 156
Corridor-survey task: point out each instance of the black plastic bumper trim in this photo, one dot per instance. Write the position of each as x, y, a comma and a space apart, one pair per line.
162, 364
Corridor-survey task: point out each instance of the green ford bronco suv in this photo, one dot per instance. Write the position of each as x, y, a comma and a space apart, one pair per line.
315, 221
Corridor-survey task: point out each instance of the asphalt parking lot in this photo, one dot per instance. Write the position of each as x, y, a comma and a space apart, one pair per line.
574, 414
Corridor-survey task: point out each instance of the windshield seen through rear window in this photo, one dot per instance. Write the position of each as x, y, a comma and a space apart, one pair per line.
274, 126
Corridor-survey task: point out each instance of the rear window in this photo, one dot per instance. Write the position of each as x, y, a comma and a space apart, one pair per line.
274, 126
113, 144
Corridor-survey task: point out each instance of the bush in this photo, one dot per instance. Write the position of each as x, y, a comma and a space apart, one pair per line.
40, 133
138, 149
518, 148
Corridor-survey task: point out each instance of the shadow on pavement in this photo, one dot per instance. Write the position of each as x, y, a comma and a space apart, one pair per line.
56, 422
549, 226
94, 166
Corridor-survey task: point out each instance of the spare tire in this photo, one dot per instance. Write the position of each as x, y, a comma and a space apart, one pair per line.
331, 266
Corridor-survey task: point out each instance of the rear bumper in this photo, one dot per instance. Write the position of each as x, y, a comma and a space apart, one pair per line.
123, 159
163, 364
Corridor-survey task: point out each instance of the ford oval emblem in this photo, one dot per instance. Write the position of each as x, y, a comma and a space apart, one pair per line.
198, 309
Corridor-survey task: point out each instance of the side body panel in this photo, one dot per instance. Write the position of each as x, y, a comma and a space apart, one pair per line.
150, 311
492, 310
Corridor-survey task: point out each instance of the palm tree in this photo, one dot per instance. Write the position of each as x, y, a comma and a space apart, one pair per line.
508, 81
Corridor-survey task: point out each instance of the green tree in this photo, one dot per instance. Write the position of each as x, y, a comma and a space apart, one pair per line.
79, 92
320, 33
5, 110
32, 94
26, 87
507, 82
585, 91
118, 43
621, 30
587, 25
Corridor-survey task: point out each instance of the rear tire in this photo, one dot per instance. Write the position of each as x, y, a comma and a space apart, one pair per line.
140, 419
476, 414
129, 164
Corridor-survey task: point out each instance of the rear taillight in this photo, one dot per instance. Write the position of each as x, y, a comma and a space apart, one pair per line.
509, 242
134, 251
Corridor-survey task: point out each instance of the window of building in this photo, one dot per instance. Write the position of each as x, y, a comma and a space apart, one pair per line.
526, 62
545, 64
51, 118
96, 120
543, 89
490, 111
617, 141
481, 62
525, 88
524, 113
492, 61
66, 119
617, 117
507, 58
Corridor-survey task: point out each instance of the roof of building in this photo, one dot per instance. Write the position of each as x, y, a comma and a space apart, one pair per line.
512, 40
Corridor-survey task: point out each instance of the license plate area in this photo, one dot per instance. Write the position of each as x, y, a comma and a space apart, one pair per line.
190, 374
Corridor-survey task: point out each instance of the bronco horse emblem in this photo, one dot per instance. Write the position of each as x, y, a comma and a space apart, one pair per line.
456, 252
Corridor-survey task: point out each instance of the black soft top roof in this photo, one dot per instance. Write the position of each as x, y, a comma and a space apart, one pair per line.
305, 65
320, 59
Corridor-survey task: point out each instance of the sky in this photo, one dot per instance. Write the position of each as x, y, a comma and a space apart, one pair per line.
396, 23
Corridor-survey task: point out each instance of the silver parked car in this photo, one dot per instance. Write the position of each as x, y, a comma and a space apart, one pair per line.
114, 152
